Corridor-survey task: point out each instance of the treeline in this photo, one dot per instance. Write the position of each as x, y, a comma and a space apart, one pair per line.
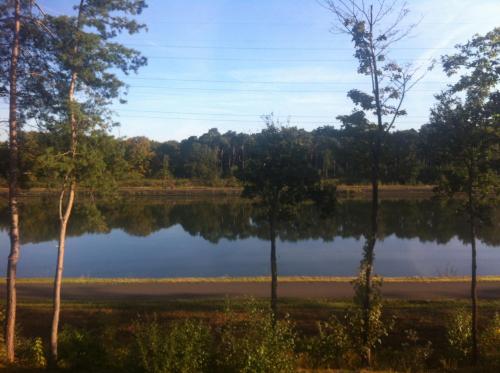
339, 153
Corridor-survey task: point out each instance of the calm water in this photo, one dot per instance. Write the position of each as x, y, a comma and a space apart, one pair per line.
152, 237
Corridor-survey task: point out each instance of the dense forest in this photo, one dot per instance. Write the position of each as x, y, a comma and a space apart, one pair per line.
340, 153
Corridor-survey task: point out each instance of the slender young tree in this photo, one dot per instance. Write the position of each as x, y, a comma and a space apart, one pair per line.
279, 175
19, 61
374, 27
465, 124
82, 84
13, 181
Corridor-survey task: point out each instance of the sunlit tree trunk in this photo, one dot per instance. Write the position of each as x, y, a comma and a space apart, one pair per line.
63, 221
13, 176
274, 268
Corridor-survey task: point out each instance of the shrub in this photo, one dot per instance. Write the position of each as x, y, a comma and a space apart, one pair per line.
258, 344
490, 341
184, 348
81, 350
329, 348
459, 335
366, 326
413, 354
30, 352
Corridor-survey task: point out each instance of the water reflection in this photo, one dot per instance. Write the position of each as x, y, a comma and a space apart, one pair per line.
229, 237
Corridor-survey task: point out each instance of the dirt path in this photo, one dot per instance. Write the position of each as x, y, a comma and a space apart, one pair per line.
145, 291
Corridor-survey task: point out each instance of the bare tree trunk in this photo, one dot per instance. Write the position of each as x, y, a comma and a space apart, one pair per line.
475, 351
473, 286
274, 269
10, 327
64, 219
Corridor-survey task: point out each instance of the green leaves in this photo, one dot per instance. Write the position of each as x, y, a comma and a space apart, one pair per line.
279, 172
466, 127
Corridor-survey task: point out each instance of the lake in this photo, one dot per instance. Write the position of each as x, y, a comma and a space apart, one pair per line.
205, 237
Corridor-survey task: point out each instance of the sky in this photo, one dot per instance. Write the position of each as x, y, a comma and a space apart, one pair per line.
225, 63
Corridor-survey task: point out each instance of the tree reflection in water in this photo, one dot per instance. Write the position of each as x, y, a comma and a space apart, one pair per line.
232, 218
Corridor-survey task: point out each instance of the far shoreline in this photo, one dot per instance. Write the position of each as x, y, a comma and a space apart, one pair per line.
345, 191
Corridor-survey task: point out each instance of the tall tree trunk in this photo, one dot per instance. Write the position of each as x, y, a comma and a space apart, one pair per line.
473, 290
274, 268
13, 175
368, 262
65, 212
473, 286
369, 254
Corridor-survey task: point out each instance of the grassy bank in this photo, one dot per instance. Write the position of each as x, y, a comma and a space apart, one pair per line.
256, 279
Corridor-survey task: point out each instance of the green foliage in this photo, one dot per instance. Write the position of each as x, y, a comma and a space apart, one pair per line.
465, 123
278, 172
256, 344
138, 154
459, 334
186, 347
330, 347
31, 352
81, 349
490, 341
413, 354
365, 321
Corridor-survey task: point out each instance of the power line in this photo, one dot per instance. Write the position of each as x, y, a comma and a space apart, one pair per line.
251, 90
204, 119
219, 114
232, 114
260, 81
274, 23
219, 47
264, 60
235, 120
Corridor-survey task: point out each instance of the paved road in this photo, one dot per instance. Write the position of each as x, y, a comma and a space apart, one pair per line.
337, 290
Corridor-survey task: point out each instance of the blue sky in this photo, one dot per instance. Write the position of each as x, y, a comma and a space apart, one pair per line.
224, 63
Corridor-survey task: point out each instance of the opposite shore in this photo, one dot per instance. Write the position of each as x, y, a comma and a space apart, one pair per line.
358, 190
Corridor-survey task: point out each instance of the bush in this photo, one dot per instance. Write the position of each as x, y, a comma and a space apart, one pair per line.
30, 352
329, 348
459, 335
490, 341
258, 344
413, 354
365, 324
81, 350
184, 348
